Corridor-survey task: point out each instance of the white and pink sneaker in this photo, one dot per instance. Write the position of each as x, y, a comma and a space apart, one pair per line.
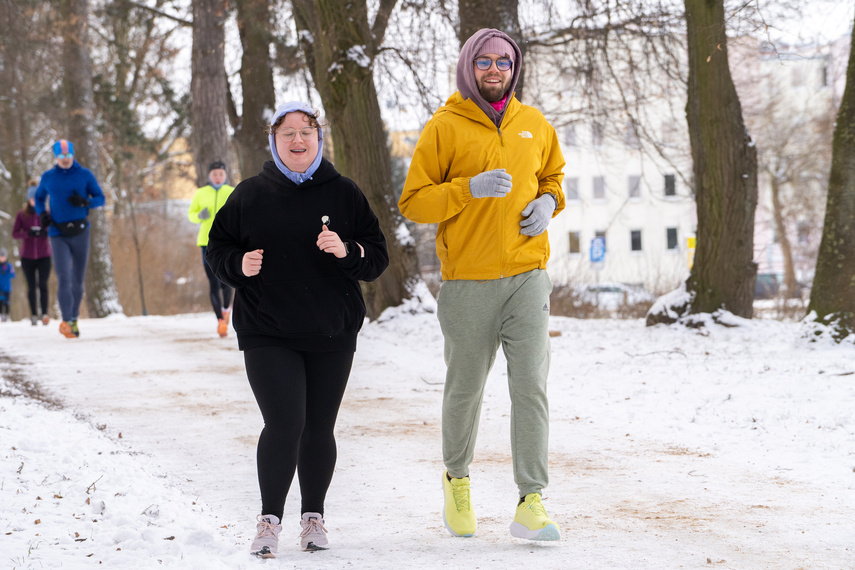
314, 535
266, 543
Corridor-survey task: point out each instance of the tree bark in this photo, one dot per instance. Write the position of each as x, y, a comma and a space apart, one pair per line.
102, 298
724, 167
256, 74
791, 285
502, 15
832, 297
340, 53
208, 87
14, 128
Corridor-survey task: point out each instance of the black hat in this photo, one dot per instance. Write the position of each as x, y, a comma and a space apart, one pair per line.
216, 164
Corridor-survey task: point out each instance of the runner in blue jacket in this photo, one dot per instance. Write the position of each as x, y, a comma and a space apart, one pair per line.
71, 191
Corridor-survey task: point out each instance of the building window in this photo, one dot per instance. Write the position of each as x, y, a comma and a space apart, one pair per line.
570, 135
599, 188
632, 135
571, 188
670, 185
597, 134
634, 183
575, 242
671, 237
635, 240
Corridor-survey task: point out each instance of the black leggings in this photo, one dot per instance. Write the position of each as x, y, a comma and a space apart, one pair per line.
216, 287
299, 394
37, 270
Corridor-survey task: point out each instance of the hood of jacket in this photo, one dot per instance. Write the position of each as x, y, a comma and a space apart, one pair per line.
466, 74
296, 177
324, 173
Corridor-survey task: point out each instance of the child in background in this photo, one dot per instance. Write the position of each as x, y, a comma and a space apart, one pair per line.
7, 273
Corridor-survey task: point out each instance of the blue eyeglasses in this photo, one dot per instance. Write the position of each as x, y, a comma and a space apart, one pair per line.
63, 156
485, 63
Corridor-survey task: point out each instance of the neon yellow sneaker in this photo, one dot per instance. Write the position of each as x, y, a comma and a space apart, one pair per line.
531, 521
458, 515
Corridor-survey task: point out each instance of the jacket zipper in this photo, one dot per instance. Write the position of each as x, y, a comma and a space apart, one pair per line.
502, 218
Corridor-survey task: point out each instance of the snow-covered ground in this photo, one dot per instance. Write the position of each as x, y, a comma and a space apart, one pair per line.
670, 448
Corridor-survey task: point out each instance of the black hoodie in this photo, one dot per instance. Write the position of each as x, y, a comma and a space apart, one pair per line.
303, 298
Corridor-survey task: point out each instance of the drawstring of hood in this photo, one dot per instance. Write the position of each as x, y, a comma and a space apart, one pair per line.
295, 177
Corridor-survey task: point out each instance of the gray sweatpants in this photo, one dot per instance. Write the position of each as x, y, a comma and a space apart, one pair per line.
476, 317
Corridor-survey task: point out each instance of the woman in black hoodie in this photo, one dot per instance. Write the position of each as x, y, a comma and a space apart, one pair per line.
294, 241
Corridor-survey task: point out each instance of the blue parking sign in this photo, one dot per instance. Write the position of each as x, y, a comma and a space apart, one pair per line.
598, 249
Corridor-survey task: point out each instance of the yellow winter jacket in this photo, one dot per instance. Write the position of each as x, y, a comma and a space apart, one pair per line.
211, 198
479, 238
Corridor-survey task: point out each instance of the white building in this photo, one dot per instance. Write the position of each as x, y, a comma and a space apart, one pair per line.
628, 175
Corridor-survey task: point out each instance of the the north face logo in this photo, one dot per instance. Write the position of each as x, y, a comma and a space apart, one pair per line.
525, 135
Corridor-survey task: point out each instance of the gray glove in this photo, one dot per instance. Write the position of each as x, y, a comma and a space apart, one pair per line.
490, 184
537, 215
204, 214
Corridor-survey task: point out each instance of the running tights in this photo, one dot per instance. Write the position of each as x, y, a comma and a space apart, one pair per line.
37, 272
220, 293
299, 394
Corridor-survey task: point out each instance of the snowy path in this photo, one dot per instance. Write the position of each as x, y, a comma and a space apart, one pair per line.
669, 449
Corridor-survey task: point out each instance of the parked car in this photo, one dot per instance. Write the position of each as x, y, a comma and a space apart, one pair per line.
611, 296
766, 286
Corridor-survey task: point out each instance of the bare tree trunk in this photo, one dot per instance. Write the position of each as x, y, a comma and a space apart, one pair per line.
832, 297
256, 74
790, 284
340, 56
208, 87
102, 298
14, 128
725, 170
502, 15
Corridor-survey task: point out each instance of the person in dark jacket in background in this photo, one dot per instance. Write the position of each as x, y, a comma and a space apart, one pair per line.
35, 255
73, 191
294, 241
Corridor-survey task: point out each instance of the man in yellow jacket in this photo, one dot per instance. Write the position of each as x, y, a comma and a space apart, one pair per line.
488, 170
207, 201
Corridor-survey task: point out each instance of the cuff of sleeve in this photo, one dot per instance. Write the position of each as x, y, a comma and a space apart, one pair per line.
353, 255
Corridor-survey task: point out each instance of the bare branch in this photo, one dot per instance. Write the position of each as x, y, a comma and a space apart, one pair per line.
162, 14
381, 22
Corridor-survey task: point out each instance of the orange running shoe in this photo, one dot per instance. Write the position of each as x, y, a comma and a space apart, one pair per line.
45, 319
66, 330
222, 328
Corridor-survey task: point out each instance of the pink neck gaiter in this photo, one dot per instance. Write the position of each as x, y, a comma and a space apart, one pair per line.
499, 105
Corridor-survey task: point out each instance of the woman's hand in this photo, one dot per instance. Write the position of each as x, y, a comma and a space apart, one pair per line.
251, 263
329, 242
